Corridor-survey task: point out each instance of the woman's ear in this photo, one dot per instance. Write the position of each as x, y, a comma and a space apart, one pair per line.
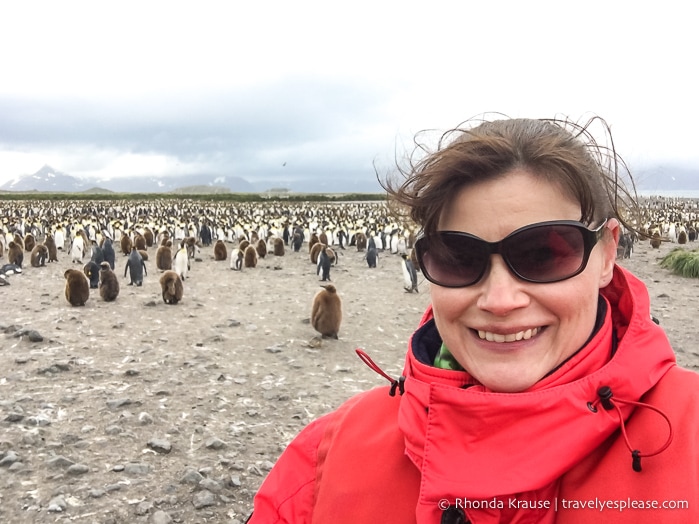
609, 243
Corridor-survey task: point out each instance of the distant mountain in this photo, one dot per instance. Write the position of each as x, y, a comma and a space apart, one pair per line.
48, 179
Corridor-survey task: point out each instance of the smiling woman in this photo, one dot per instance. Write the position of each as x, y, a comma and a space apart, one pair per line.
536, 374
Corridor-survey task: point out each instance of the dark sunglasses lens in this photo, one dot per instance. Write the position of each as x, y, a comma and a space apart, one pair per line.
452, 260
547, 253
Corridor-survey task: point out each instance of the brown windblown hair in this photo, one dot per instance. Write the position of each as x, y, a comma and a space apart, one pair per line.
557, 150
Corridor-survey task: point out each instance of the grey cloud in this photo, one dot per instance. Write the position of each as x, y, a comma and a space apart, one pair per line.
290, 129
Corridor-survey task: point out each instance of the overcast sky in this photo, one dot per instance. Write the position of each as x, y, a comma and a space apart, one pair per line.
282, 89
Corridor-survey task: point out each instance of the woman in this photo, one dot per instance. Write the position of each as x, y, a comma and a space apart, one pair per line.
537, 388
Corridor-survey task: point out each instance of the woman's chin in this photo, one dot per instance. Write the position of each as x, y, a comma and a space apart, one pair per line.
511, 381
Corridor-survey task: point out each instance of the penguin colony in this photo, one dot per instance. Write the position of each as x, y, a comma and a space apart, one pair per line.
87, 230
69, 232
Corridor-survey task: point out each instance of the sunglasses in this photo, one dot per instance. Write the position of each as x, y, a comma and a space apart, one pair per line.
542, 253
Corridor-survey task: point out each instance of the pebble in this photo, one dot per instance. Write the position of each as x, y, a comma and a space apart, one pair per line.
118, 402
137, 469
160, 517
31, 334
211, 485
160, 445
203, 499
38, 420
59, 461
191, 476
78, 469
57, 367
14, 417
57, 504
144, 508
215, 443
8, 459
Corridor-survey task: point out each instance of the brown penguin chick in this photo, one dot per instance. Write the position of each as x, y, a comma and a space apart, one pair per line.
77, 287
29, 242
192, 246
361, 240
331, 256
109, 283
39, 255
126, 244
250, 256
144, 254
172, 287
19, 241
243, 245
50, 244
326, 313
148, 235
261, 248
15, 255
315, 252
163, 257
220, 251
139, 241
278, 245
312, 241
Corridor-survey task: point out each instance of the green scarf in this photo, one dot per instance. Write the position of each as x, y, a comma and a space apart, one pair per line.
445, 360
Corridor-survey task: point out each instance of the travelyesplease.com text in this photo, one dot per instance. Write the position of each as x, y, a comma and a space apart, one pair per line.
563, 504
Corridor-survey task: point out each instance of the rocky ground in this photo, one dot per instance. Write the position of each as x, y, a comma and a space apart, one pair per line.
138, 411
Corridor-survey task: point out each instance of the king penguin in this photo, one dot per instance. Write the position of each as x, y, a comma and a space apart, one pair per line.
409, 275
326, 313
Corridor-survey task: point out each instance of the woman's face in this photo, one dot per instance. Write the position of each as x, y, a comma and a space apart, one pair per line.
552, 321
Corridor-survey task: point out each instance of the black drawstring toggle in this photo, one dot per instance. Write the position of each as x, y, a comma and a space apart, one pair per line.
400, 384
605, 395
636, 460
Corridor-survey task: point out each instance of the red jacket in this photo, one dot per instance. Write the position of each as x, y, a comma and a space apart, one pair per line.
554, 453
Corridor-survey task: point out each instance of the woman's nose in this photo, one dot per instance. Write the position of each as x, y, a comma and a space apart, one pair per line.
501, 291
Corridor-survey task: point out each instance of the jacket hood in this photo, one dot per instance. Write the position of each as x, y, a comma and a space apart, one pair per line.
471, 442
